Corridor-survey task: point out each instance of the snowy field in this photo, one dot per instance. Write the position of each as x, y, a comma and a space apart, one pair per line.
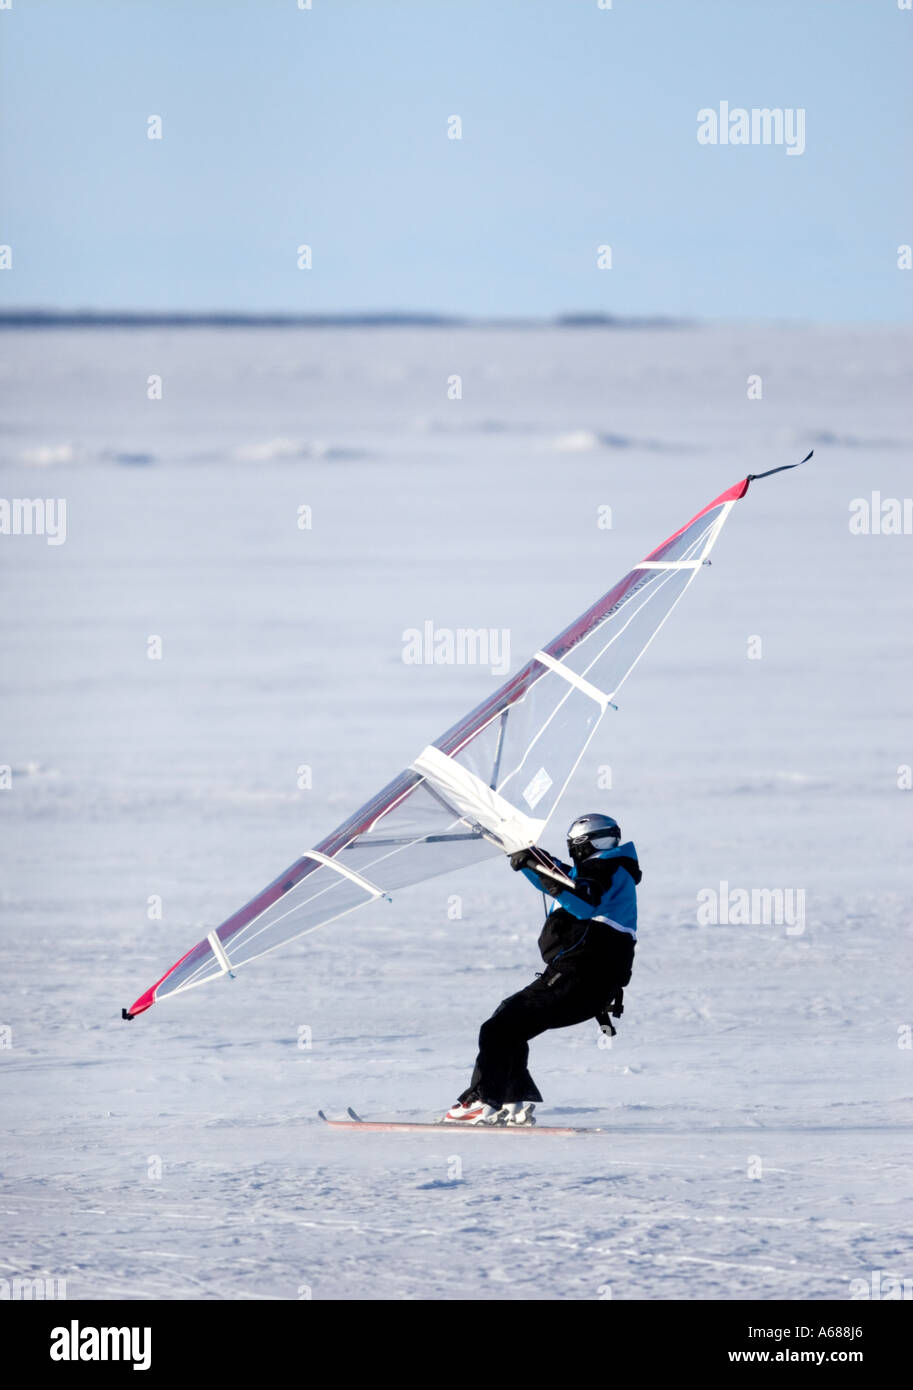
757, 1098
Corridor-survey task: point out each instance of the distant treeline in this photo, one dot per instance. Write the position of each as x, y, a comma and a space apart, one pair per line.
128, 318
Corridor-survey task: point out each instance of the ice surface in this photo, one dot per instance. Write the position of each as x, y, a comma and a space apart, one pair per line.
744, 1049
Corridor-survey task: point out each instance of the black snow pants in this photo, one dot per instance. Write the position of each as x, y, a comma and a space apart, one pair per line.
557, 999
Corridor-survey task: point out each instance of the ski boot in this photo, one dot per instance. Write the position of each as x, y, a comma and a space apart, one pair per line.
516, 1112
471, 1112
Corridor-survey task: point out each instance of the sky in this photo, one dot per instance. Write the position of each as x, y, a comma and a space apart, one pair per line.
328, 127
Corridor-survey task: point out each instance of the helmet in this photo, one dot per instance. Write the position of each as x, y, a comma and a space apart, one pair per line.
590, 834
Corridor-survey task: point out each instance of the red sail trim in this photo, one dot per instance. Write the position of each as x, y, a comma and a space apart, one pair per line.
146, 1000
732, 494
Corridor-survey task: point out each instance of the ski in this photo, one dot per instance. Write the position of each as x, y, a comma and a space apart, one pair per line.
406, 1126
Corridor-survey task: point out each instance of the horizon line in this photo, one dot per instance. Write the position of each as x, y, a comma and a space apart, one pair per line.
241, 318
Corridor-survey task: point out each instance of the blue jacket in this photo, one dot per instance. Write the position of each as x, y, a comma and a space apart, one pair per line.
584, 922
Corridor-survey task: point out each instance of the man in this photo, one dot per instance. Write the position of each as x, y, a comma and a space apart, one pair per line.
587, 944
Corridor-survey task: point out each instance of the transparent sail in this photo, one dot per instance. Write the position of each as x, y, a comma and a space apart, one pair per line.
486, 787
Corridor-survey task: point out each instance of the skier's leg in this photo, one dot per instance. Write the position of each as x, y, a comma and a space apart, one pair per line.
555, 1000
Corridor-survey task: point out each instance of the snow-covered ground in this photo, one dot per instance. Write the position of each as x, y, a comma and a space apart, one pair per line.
757, 1097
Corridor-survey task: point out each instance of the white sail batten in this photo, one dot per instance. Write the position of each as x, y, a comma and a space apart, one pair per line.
219, 952
477, 803
572, 678
334, 864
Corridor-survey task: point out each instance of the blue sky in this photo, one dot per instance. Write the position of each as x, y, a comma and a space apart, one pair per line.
329, 127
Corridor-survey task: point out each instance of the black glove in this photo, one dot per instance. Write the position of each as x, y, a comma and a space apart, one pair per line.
521, 859
613, 1009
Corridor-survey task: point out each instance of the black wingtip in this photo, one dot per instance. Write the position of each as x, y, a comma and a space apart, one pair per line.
125, 1013
753, 477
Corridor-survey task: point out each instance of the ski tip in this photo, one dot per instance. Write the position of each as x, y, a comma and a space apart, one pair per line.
323, 1117
352, 1115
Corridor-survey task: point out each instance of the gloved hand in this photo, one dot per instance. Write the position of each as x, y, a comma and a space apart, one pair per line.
521, 859
605, 1024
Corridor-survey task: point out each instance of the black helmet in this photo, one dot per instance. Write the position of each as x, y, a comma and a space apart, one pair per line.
590, 834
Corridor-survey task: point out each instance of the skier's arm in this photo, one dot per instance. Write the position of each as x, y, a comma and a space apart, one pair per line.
581, 902
545, 885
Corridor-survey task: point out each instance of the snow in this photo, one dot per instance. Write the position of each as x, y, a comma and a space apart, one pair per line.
758, 1094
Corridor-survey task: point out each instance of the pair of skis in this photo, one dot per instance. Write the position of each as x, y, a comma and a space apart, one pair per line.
355, 1121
